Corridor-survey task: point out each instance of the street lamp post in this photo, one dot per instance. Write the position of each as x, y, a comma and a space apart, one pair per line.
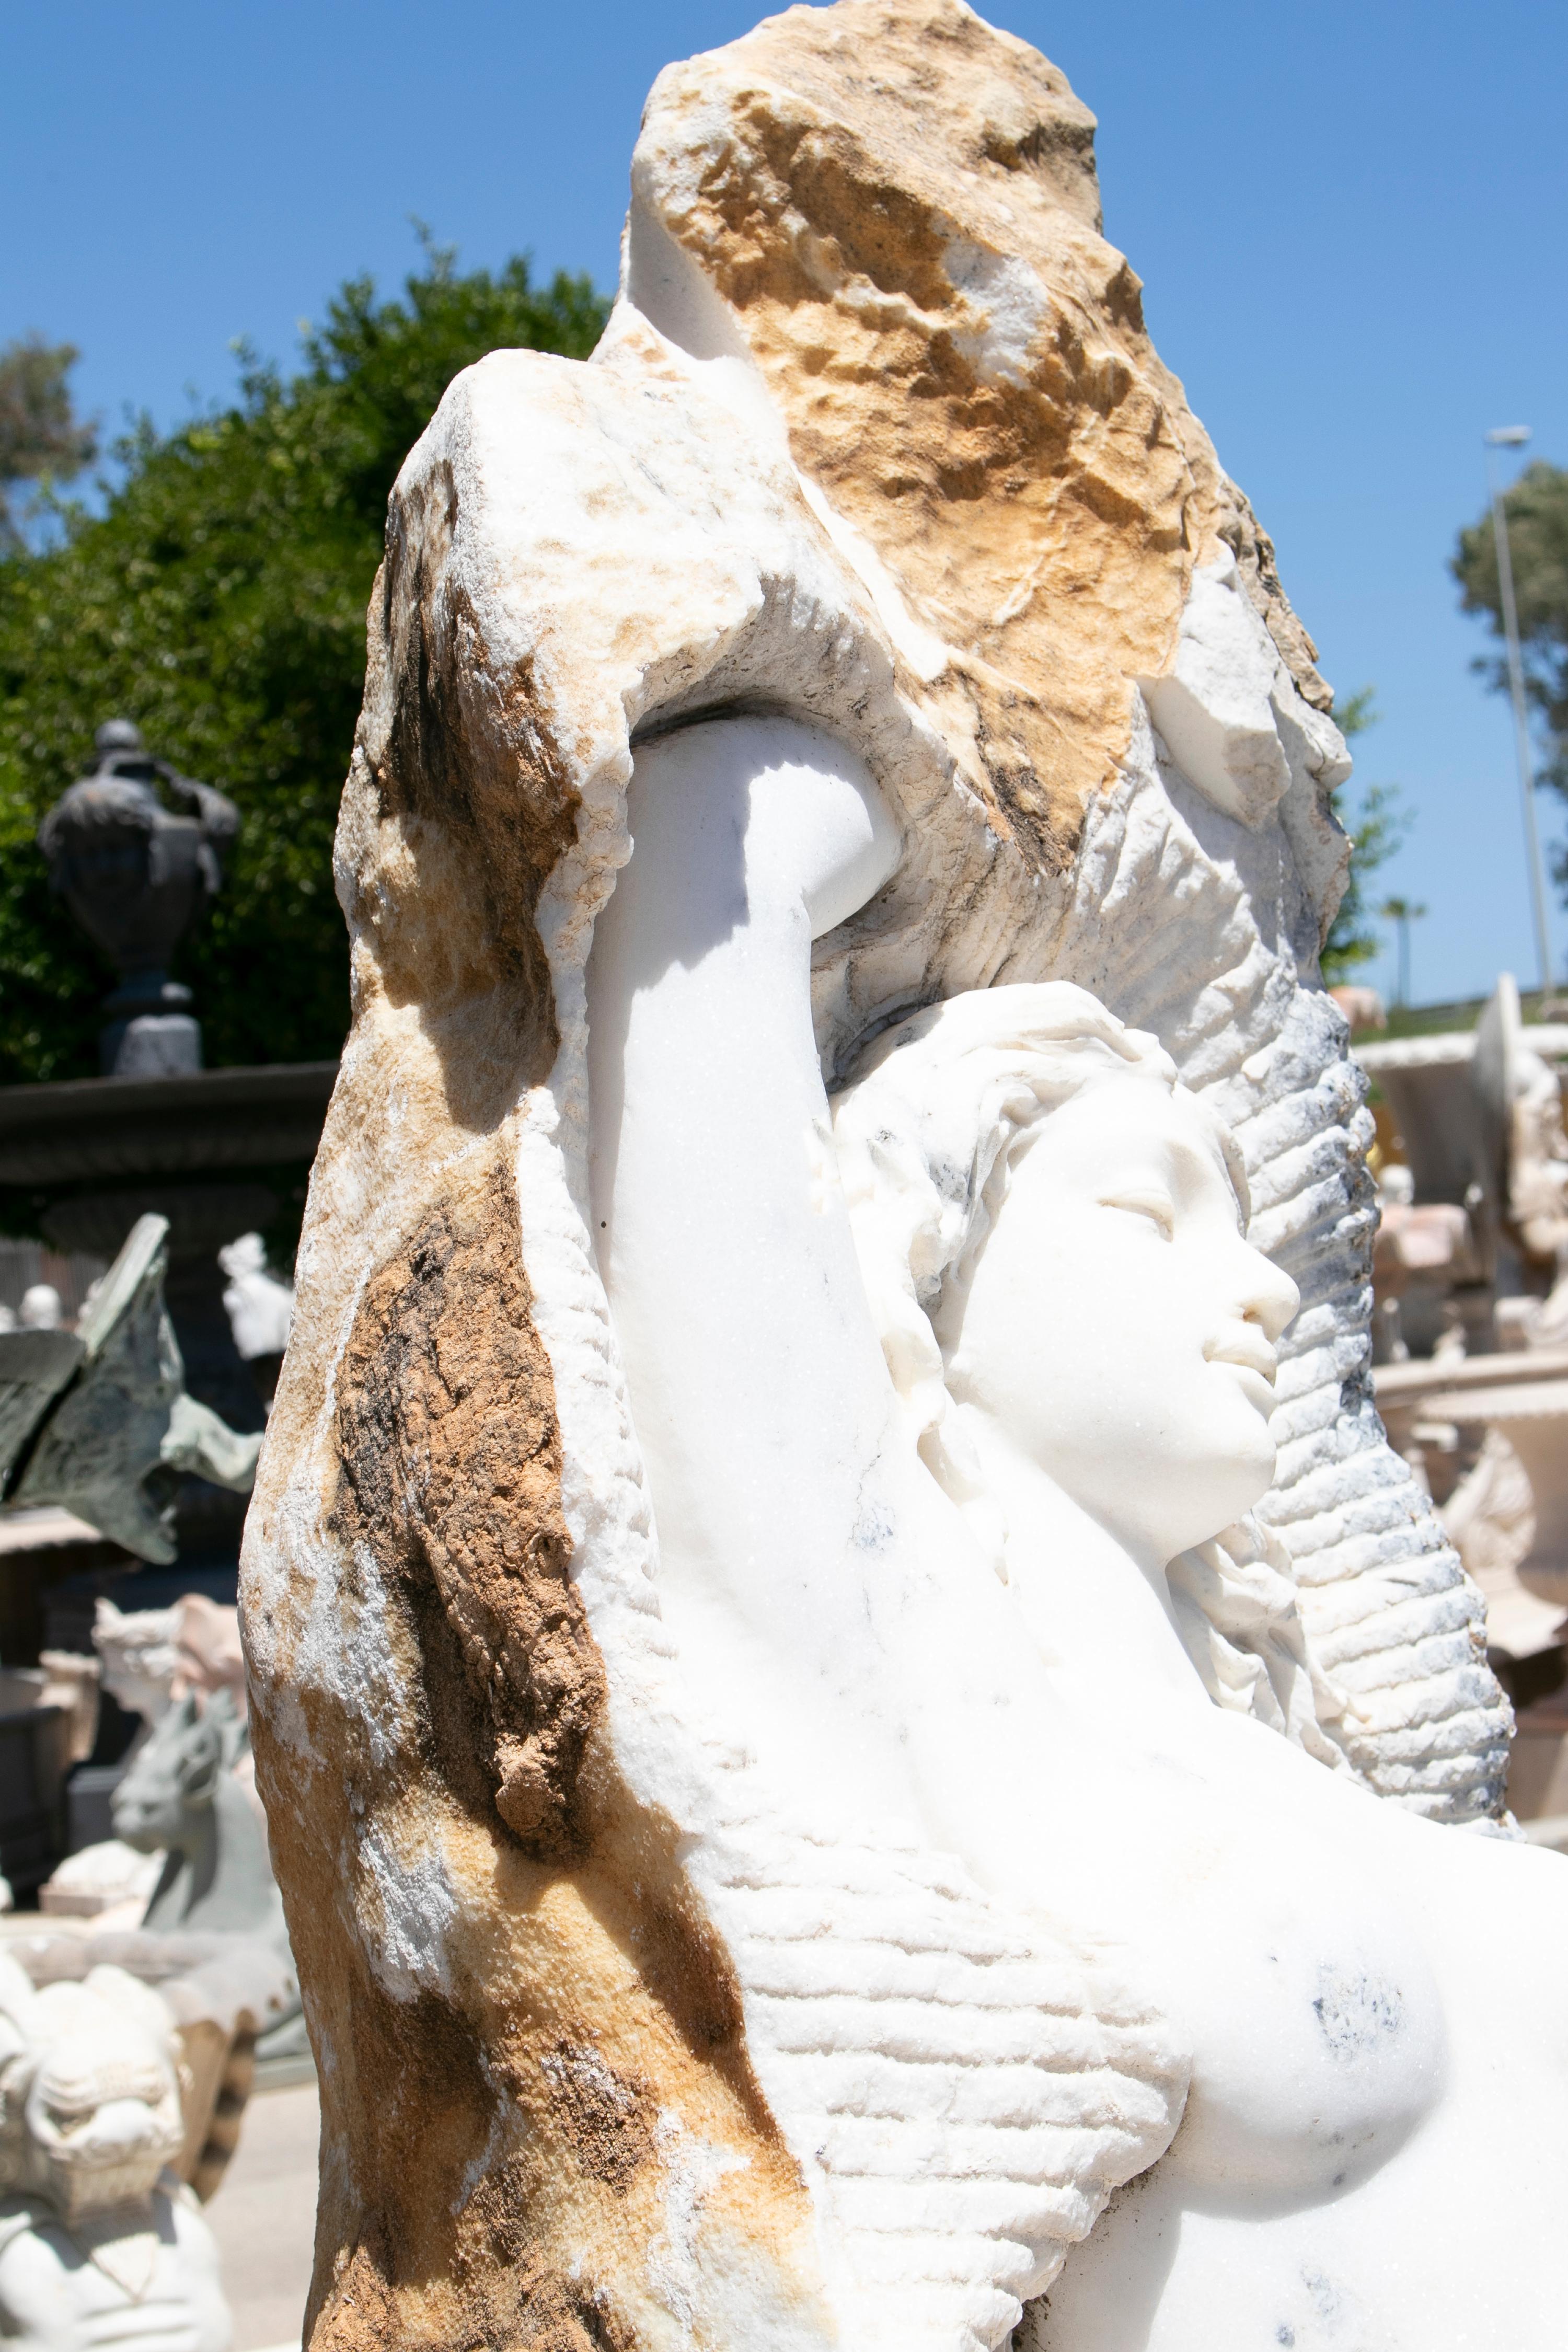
1514, 436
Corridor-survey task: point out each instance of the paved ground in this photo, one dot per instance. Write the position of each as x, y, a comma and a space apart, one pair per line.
264, 2218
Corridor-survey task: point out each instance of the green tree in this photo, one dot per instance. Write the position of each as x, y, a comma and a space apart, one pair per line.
1536, 507
1380, 826
219, 601
41, 437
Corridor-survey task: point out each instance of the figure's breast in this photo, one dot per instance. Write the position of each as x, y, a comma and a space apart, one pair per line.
1314, 2016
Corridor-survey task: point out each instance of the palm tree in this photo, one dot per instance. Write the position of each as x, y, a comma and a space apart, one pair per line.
1403, 911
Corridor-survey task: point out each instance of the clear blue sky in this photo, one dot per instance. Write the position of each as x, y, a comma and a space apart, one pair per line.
1350, 219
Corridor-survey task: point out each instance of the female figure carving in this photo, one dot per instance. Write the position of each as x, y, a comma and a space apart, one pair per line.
955, 1396
1052, 1234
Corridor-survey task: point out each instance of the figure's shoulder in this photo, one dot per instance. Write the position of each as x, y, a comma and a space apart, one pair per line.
191, 2267
23, 2217
39, 2311
100, 798
177, 2211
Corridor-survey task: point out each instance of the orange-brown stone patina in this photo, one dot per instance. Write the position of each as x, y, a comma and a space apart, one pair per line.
520, 2014
898, 207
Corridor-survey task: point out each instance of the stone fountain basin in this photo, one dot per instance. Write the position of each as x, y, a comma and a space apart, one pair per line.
72, 1131
214, 1151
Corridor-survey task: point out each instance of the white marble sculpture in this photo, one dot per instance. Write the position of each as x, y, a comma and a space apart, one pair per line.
109, 1881
848, 1688
101, 2247
150, 1657
259, 1307
1086, 1348
182, 1797
1029, 1506
153, 1660
140, 1653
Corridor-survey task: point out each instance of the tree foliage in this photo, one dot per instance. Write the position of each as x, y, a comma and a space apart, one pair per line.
1379, 827
219, 601
42, 439
1537, 511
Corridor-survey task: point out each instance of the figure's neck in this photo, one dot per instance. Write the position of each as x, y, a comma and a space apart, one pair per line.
190, 1871
1099, 1612
103, 2222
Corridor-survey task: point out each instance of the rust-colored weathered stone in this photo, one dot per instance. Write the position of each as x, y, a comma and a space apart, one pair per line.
898, 207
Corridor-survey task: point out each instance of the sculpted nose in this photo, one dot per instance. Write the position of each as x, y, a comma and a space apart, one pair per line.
1269, 1298
123, 2127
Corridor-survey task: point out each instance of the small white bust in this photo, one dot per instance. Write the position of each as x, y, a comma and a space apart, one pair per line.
101, 2245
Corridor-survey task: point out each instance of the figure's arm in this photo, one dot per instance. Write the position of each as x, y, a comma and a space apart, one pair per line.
831, 1616
821, 1590
756, 1381
220, 818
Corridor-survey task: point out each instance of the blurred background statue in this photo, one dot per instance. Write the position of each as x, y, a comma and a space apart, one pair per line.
101, 2242
136, 876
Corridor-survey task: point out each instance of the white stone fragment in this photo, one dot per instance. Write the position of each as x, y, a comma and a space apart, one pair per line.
1216, 709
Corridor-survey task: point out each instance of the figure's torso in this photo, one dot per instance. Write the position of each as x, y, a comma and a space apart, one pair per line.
54, 2297
1366, 2162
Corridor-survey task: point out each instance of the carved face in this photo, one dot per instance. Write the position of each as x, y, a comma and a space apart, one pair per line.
93, 2099
103, 2121
1116, 1325
175, 1776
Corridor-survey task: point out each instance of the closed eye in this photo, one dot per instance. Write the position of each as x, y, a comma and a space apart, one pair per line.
1157, 1207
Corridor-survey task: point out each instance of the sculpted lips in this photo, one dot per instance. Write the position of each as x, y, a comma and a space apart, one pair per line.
1247, 1346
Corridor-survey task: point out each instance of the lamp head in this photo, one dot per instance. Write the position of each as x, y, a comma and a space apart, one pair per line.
1508, 437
